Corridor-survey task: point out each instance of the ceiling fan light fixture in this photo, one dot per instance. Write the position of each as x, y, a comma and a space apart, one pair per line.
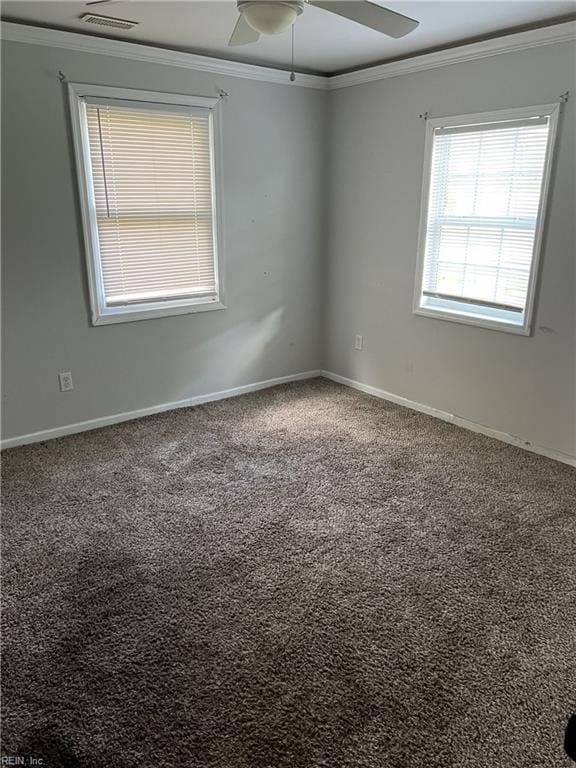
270, 18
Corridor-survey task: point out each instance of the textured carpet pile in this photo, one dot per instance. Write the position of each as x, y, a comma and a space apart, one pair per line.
304, 577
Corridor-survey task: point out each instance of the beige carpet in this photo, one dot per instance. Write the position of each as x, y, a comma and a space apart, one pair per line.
303, 577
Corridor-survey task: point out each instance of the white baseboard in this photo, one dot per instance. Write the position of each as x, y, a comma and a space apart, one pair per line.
519, 442
105, 421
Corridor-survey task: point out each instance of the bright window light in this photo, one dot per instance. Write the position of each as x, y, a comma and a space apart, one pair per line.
147, 181
485, 186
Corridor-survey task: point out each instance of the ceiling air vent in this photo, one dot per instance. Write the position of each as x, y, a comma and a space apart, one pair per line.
108, 21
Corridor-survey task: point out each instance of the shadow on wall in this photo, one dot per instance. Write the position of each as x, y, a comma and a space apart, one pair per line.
249, 344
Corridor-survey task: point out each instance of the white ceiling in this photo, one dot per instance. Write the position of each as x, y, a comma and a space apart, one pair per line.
324, 42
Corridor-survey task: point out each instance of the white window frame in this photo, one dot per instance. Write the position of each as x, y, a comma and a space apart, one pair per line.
451, 312
102, 314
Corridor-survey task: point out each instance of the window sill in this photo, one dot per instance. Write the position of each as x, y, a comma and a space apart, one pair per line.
129, 314
470, 317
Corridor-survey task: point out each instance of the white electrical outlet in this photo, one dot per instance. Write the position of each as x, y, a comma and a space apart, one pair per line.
358, 341
66, 382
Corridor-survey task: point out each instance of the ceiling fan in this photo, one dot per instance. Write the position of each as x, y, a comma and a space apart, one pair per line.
270, 17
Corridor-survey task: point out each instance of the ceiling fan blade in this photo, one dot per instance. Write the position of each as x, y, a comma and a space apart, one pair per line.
370, 15
243, 33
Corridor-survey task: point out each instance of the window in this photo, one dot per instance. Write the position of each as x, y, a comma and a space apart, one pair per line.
147, 182
485, 184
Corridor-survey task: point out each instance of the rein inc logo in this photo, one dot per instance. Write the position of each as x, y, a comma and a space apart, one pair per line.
18, 760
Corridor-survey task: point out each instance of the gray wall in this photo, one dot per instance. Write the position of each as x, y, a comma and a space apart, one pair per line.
521, 385
291, 156
273, 209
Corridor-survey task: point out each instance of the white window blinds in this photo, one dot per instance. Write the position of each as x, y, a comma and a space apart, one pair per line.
484, 202
153, 197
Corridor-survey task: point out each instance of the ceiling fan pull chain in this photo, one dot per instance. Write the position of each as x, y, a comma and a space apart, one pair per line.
292, 74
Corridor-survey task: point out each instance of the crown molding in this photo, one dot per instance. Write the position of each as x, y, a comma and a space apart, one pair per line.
519, 41
73, 41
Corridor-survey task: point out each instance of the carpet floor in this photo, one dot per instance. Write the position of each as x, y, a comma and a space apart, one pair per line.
304, 577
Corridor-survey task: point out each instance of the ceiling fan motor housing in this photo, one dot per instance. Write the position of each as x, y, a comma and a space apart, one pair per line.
270, 17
